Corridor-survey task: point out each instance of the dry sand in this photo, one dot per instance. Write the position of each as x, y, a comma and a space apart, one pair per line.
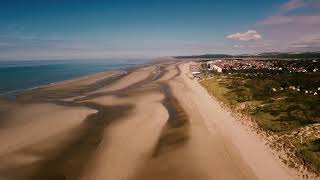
152, 123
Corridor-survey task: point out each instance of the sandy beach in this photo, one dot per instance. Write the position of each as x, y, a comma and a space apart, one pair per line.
152, 122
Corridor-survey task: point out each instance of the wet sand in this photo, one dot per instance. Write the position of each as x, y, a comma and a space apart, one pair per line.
152, 122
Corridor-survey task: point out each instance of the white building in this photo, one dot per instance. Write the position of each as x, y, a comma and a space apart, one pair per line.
209, 65
212, 67
195, 70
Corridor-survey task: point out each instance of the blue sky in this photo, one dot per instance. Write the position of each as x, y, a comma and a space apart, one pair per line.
78, 29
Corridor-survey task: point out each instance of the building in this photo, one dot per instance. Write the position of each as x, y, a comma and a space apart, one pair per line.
209, 65
212, 67
195, 70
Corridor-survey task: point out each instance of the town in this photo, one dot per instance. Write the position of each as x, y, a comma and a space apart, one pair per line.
256, 68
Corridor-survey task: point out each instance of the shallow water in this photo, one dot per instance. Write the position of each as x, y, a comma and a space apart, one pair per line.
16, 76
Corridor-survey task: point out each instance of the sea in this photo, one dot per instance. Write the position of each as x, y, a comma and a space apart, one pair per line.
17, 76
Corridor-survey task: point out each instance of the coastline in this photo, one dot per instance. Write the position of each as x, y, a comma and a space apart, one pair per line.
244, 139
277, 143
152, 122
251, 127
12, 93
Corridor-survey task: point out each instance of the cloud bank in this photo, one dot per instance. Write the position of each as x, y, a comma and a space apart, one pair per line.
299, 20
294, 26
294, 4
250, 35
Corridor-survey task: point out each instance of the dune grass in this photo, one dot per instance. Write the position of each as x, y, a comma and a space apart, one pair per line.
280, 111
310, 152
275, 111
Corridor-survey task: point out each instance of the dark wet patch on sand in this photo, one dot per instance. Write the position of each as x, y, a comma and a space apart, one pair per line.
68, 161
176, 131
43, 94
71, 159
174, 136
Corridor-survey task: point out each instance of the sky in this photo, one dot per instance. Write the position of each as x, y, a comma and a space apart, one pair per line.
79, 29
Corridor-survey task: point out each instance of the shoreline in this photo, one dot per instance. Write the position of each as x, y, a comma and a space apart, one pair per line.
251, 126
245, 140
283, 151
148, 123
11, 95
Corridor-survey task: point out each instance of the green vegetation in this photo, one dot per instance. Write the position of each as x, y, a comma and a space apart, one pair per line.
277, 111
310, 152
262, 55
282, 101
217, 90
281, 110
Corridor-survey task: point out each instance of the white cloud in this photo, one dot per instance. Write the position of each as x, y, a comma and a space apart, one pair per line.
292, 26
250, 35
294, 4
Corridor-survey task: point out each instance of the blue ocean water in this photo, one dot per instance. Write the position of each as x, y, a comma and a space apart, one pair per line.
17, 76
